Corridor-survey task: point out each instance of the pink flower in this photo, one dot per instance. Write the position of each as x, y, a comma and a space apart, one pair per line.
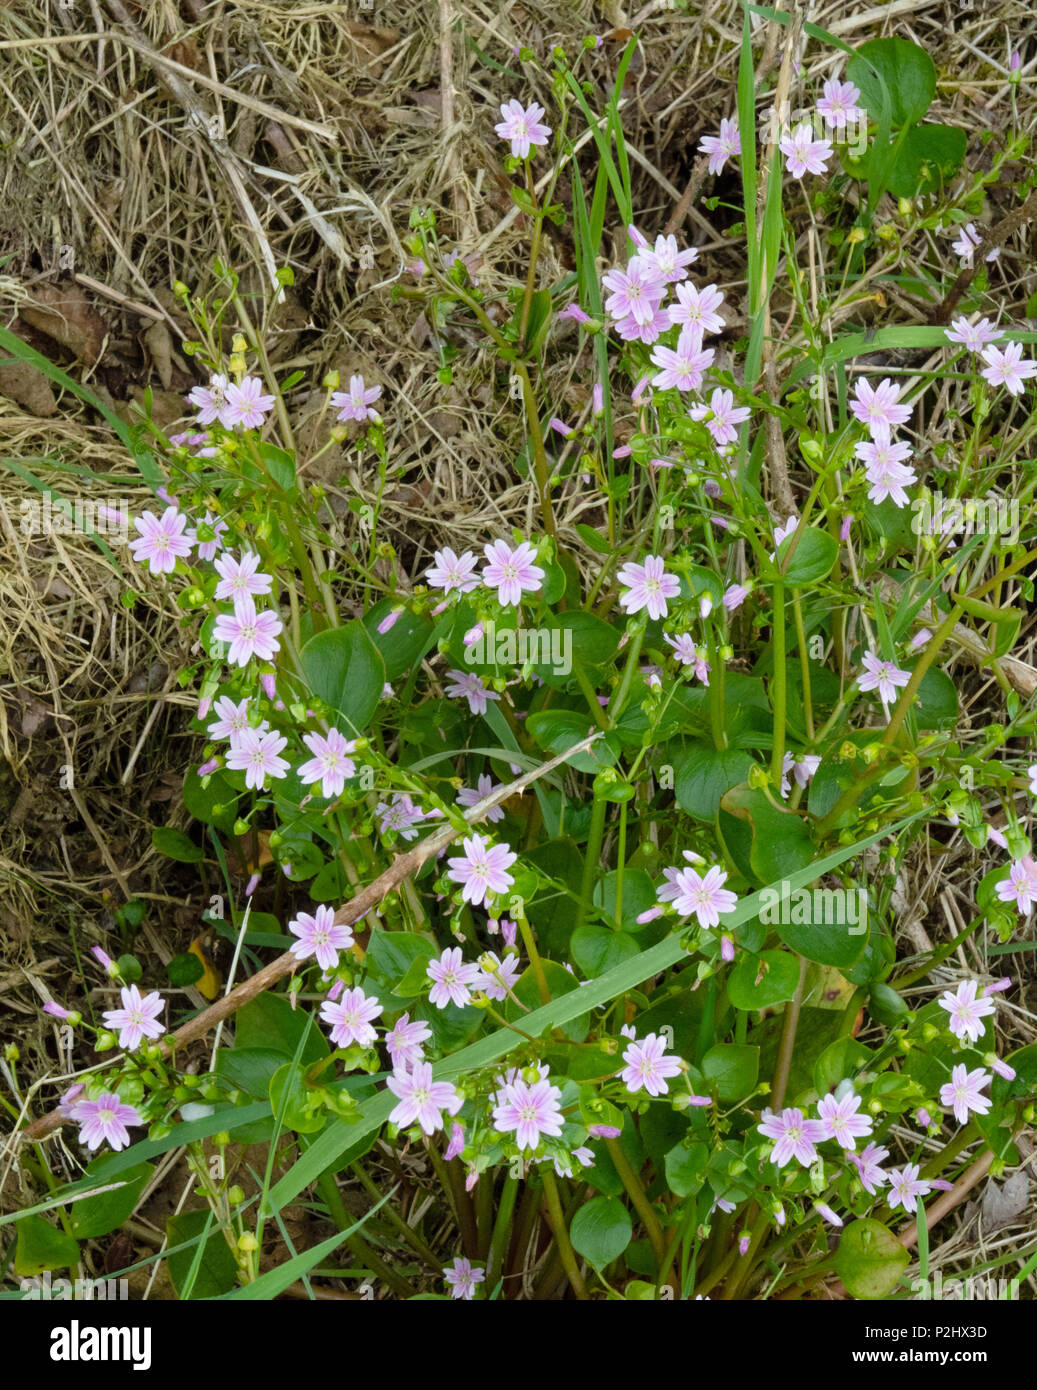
496, 983
967, 1012
1021, 885
422, 1099
636, 292
463, 1278
828, 1214
647, 586
330, 765
682, 367
240, 580
803, 153
702, 896
320, 936
401, 815
697, 309
885, 469
654, 326
839, 104
69, 1102
603, 1131
974, 336
841, 1121
453, 572
356, 403
137, 1019
522, 126
648, 1066
105, 1118
878, 407
249, 634
795, 1136
882, 676
1007, 368
684, 648
471, 687
968, 240
962, 1092
511, 572
256, 754
721, 416
163, 542
529, 1110
868, 1170
905, 1187
351, 1018
451, 979
246, 404
469, 797
207, 550
211, 402
735, 596
667, 261
483, 870
404, 1041
722, 147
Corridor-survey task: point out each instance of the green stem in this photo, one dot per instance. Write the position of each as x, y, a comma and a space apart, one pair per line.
599, 807
778, 687
501, 1232
639, 1197
556, 1219
358, 1246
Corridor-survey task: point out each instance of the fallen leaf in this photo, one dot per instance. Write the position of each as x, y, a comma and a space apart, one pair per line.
64, 313
1002, 1206
208, 985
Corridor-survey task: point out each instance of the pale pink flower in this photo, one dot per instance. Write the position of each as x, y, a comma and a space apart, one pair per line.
350, 1018
451, 979
878, 407
207, 550
1031, 772
422, 1099
211, 402
794, 1136
647, 586
246, 404
962, 1092
400, 815
233, 719
636, 292
1021, 885
483, 869
1007, 368
511, 572
105, 1118
803, 153
735, 596
358, 402
872, 1176
885, 469
496, 983
722, 147
721, 416
463, 1278
453, 572
703, 896
330, 765
256, 754
522, 126
528, 1110
137, 1019
468, 796
968, 241
682, 368
161, 542
648, 1067
883, 676
905, 1187
684, 648
467, 685
241, 580
70, 1100
839, 104
967, 1011
654, 326
320, 936
973, 336
404, 1041
841, 1121
667, 261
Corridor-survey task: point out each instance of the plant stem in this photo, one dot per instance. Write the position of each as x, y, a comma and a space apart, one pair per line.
638, 1196
556, 1220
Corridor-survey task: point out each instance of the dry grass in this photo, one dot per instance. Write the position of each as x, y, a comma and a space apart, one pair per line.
145, 141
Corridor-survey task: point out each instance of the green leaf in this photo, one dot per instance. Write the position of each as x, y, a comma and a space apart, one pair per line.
936, 704
249, 1068
406, 642
184, 969
639, 893
812, 558
42, 1246
733, 1069
539, 320
555, 730
207, 1274
294, 1104
344, 668
559, 982
601, 1230
269, 1021
174, 844
759, 982
778, 842
392, 956
598, 949
838, 1061
927, 158
201, 802
705, 774
685, 1166
816, 923
594, 641
908, 72
97, 1216
280, 464
870, 1259
887, 1006
594, 539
